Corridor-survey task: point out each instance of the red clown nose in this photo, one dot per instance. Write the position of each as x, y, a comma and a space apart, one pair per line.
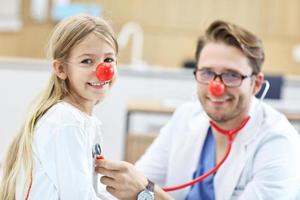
105, 72
216, 88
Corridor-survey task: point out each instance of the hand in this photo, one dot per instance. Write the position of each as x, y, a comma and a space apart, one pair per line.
121, 178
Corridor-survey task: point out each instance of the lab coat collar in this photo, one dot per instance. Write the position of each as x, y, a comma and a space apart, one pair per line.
195, 134
228, 175
199, 123
197, 129
248, 133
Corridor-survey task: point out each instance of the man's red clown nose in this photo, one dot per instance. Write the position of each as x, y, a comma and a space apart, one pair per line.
216, 88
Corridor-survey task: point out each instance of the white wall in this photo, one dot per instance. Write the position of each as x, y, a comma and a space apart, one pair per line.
10, 15
18, 88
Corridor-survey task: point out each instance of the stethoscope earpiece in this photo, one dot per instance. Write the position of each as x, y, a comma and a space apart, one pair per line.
266, 89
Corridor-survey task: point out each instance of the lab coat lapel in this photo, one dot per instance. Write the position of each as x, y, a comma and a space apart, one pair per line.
229, 173
197, 129
189, 151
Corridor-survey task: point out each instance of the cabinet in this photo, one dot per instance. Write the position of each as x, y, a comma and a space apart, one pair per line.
294, 118
150, 116
137, 141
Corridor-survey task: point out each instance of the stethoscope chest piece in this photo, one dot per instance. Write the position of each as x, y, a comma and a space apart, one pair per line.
96, 150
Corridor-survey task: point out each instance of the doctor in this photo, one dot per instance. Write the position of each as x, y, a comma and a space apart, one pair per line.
264, 160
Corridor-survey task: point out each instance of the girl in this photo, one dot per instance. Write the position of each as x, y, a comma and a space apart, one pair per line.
52, 156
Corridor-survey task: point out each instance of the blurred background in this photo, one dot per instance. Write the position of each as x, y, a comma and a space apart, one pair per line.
170, 27
157, 40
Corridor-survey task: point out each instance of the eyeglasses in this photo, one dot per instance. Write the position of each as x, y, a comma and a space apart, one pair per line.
230, 79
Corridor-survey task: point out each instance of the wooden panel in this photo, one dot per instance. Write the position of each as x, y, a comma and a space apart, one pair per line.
292, 25
136, 145
30, 42
249, 14
150, 13
279, 56
171, 28
168, 49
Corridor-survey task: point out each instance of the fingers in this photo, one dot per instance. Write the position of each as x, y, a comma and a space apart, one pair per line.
111, 190
113, 177
121, 178
112, 165
106, 172
108, 181
119, 194
121, 191
100, 157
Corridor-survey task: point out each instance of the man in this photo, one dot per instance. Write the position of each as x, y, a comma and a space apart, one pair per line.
264, 159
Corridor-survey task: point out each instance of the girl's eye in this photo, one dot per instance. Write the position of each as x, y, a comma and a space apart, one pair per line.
87, 61
109, 60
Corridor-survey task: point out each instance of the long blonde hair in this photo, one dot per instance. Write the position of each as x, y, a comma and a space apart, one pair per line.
66, 35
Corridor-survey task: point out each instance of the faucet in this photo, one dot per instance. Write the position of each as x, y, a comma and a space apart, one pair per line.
136, 31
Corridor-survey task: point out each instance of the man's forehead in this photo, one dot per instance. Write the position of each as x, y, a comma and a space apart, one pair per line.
220, 56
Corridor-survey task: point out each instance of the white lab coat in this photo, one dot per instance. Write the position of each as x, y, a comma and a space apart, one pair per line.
63, 163
264, 162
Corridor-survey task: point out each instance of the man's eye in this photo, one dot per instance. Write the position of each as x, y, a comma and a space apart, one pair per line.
207, 73
232, 75
87, 61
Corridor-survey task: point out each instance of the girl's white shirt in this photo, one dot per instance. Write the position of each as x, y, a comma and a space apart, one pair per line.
63, 163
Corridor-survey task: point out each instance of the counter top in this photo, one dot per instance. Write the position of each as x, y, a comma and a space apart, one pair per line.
166, 107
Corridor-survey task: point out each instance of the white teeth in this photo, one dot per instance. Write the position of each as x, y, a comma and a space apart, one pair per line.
218, 100
98, 83
95, 84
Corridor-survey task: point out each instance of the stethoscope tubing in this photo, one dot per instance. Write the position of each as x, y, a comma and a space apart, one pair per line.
230, 136
200, 178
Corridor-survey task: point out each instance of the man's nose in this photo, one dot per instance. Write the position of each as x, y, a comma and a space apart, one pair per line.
218, 77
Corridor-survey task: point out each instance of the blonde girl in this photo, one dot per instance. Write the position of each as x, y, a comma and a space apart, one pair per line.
52, 155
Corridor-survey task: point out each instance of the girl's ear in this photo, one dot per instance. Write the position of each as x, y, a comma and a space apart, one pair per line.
258, 82
60, 69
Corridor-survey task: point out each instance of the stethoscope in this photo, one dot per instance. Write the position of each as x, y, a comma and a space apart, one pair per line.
105, 73
216, 88
97, 152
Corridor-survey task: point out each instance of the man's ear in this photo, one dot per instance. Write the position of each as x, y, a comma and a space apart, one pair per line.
60, 69
258, 82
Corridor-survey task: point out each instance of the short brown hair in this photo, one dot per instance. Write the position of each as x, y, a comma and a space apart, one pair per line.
233, 35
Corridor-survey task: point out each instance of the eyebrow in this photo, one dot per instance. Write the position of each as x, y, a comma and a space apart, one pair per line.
95, 55
225, 70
